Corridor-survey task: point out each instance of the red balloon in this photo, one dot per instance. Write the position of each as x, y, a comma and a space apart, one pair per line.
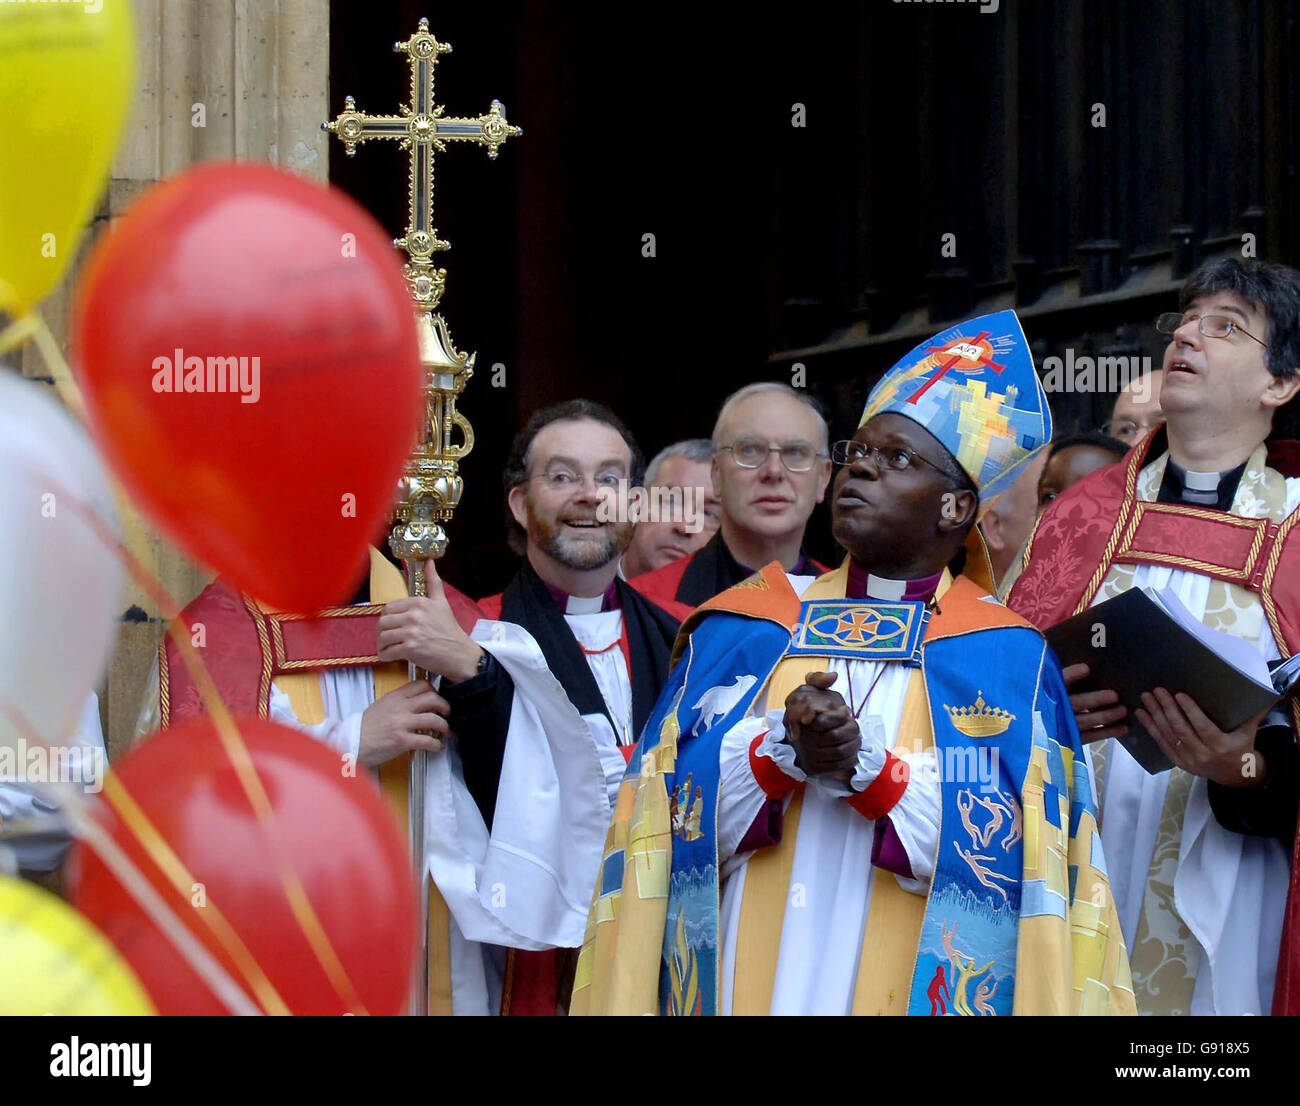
336, 833
249, 361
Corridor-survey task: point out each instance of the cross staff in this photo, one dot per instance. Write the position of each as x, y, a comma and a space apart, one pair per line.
422, 129
431, 486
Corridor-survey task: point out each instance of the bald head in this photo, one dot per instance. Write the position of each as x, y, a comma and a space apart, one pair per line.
766, 396
765, 508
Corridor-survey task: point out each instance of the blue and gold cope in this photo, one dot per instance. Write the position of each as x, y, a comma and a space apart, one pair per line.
1018, 917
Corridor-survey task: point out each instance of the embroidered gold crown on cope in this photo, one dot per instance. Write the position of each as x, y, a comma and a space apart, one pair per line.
980, 719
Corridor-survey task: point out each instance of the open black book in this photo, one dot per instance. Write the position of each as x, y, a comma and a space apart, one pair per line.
1144, 639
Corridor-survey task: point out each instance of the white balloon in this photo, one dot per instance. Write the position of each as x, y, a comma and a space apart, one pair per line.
60, 580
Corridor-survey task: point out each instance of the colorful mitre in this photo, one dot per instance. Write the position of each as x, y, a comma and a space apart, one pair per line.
973, 386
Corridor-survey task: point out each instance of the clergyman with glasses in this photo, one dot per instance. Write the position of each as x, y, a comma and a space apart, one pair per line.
569, 661
1204, 505
771, 467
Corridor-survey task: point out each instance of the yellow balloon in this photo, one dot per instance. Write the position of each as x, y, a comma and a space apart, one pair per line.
66, 75
53, 961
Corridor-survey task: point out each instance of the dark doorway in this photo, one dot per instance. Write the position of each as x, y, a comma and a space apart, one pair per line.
779, 244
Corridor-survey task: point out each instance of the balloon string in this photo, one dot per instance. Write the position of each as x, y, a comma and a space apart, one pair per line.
236, 751
184, 882
130, 877
31, 327
17, 332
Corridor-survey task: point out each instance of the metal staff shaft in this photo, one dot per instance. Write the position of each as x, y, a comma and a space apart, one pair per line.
416, 585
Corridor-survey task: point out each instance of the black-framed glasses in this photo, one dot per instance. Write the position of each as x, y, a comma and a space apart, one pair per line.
1212, 326
750, 453
897, 457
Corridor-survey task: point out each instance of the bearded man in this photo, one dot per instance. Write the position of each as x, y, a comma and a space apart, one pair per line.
546, 700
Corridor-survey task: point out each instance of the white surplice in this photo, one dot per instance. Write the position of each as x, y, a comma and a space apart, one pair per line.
44, 850
528, 882
1229, 889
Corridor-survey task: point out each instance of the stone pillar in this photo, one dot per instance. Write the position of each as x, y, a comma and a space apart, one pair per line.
259, 72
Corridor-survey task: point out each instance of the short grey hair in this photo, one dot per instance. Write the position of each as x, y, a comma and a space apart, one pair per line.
764, 387
693, 449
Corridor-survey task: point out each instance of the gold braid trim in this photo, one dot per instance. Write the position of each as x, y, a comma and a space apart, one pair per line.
276, 621
1121, 535
1270, 608
264, 682
1266, 584
164, 686
324, 662
1108, 555
1206, 568
1029, 545
1209, 568
361, 609
1131, 517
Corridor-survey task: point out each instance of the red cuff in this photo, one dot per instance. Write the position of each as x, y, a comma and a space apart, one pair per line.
885, 790
775, 783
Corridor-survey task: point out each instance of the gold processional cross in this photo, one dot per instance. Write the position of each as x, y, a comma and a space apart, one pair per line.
422, 129
430, 488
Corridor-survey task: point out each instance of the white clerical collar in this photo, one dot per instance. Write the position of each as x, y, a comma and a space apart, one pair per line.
592, 604
577, 604
1200, 489
881, 587
1201, 481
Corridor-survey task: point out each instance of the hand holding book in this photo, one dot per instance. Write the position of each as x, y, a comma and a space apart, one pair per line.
1099, 714
1195, 744
1141, 668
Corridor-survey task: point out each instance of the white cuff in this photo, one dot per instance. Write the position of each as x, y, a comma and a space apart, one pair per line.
346, 736
343, 737
740, 798
775, 748
871, 754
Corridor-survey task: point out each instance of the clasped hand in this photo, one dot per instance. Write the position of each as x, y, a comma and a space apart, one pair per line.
821, 729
